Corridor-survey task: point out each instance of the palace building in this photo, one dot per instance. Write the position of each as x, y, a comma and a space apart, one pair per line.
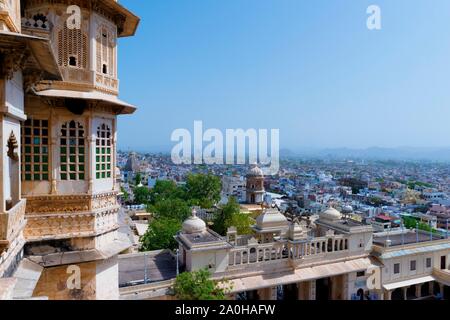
59, 104
331, 258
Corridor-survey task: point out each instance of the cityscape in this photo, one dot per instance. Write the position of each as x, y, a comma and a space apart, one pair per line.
104, 199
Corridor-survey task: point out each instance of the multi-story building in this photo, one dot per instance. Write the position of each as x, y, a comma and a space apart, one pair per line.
415, 264
233, 186
60, 128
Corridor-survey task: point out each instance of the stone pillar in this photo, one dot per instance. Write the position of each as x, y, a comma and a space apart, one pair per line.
269, 293
53, 153
304, 290
313, 290
388, 295
405, 293
418, 291
441, 290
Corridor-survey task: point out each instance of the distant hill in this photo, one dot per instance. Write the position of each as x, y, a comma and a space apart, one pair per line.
378, 153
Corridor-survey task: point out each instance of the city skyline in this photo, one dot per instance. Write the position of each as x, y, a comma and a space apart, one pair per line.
314, 71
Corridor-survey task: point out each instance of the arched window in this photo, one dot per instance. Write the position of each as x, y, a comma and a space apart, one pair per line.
72, 149
103, 152
35, 150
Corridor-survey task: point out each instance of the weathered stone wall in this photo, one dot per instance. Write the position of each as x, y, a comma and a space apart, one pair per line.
53, 283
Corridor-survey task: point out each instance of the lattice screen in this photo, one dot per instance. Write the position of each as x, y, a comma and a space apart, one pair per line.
105, 52
103, 152
35, 150
73, 151
72, 43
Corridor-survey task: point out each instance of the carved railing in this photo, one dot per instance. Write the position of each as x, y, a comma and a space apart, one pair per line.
307, 249
107, 82
12, 222
65, 216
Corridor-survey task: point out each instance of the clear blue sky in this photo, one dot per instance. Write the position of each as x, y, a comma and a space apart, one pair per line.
310, 68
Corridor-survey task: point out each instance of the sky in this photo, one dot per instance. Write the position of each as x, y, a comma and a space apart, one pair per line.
311, 69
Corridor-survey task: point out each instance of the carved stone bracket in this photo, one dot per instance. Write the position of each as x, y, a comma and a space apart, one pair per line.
12, 60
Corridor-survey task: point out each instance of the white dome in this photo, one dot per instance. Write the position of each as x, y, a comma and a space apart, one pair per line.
271, 218
347, 209
330, 214
193, 224
255, 171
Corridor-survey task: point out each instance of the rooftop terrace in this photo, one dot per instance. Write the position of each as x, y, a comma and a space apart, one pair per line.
405, 238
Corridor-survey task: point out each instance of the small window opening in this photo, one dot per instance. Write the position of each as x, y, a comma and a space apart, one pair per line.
105, 69
73, 61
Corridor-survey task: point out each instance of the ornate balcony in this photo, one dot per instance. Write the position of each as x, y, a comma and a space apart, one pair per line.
54, 217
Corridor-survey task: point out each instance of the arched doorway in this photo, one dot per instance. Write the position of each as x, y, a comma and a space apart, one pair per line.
290, 291
425, 289
360, 294
411, 293
323, 289
397, 294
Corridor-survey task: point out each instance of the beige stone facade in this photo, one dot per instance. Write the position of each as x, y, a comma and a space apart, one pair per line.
58, 125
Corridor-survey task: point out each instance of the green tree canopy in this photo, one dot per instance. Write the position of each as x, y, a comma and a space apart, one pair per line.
230, 215
198, 285
137, 178
171, 208
165, 189
243, 223
224, 216
203, 189
160, 234
125, 195
141, 195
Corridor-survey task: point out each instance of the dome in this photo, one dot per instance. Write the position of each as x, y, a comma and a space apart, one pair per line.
193, 224
347, 209
271, 218
330, 214
255, 171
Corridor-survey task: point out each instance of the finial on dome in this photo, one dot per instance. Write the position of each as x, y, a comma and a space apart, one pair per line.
194, 212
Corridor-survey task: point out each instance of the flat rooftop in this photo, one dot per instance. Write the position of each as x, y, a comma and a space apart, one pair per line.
406, 238
202, 237
161, 265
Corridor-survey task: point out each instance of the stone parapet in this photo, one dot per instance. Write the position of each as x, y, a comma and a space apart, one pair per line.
53, 217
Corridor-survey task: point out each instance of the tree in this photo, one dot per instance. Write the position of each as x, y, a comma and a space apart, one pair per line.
160, 235
203, 189
224, 216
137, 179
141, 195
243, 223
172, 208
197, 285
230, 215
411, 223
165, 189
125, 195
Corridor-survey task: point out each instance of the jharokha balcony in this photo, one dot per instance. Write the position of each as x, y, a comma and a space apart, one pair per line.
53, 217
